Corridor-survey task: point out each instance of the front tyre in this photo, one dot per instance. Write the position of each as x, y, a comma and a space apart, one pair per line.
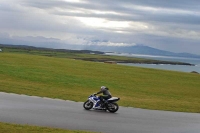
112, 107
88, 105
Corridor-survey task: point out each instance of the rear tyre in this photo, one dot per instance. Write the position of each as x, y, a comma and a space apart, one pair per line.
88, 105
112, 107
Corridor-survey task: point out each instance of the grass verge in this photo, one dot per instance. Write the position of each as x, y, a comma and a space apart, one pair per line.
15, 128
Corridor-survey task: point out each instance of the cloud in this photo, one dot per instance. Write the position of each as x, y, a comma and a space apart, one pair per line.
118, 22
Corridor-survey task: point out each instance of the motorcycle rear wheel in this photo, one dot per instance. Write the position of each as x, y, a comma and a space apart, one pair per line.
112, 107
88, 105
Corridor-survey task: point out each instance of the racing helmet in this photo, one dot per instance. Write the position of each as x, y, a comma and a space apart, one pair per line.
103, 87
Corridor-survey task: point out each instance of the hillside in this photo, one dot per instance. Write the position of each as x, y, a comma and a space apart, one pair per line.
71, 79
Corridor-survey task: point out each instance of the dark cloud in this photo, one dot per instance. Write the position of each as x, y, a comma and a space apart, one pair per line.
164, 24
137, 10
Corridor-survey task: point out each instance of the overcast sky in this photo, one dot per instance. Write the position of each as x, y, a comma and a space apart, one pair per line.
172, 25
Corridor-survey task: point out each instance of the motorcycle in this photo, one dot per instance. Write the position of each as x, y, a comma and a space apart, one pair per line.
109, 104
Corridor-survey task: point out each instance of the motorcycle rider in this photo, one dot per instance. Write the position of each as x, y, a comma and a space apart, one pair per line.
106, 95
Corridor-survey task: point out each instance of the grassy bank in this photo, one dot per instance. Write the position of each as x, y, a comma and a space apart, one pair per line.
75, 79
15, 128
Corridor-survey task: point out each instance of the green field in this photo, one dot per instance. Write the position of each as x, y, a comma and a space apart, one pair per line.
71, 79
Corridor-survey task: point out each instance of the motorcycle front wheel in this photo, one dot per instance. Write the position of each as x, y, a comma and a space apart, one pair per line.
112, 107
88, 105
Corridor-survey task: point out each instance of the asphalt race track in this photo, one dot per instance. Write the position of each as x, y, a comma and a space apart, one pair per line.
57, 113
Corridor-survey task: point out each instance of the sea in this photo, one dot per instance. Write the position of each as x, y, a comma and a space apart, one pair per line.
181, 68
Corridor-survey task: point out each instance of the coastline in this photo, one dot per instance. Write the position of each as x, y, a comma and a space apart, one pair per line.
143, 61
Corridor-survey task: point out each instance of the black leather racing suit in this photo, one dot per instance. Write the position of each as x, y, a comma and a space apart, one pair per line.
106, 94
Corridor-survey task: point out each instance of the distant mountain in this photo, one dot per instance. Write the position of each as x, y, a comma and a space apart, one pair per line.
140, 49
